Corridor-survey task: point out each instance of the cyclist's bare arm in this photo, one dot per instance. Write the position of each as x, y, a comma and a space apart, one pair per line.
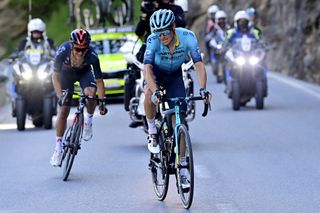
201, 73
56, 83
100, 88
148, 73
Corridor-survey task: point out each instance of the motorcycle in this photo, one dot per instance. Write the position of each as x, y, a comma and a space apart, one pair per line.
33, 90
217, 55
247, 77
136, 104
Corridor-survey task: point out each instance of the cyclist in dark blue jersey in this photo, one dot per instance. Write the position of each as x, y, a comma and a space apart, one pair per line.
167, 48
76, 61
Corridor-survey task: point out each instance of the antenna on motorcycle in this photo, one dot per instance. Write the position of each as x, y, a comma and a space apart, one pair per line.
30, 9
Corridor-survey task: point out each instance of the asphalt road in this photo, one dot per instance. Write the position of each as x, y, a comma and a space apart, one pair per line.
247, 161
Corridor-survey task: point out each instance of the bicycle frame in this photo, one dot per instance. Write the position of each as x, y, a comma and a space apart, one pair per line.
177, 112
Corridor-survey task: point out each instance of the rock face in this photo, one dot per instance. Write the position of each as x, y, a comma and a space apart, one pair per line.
290, 27
13, 23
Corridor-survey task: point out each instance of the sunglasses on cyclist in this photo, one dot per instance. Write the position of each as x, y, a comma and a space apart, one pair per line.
165, 32
78, 49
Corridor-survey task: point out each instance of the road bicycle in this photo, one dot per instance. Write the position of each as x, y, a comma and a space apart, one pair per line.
171, 141
73, 135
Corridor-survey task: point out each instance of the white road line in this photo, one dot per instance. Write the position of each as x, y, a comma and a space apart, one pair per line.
296, 84
201, 171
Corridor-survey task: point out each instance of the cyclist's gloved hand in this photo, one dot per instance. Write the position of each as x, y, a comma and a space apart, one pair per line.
103, 108
155, 98
62, 99
205, 95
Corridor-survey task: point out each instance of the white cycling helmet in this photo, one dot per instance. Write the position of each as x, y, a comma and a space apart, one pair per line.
212, 9
36, 24
220, 14
241, 14
161, 19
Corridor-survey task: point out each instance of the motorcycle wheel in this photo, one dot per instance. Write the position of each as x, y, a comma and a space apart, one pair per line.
47, 112
127, 93
21, 113
260, 90
220, 77
235, 96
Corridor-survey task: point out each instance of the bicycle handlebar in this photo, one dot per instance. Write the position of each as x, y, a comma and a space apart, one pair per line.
66, 92
187, 99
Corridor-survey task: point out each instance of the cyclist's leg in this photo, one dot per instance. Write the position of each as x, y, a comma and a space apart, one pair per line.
61, 123
67, 82
89, 86
150, 108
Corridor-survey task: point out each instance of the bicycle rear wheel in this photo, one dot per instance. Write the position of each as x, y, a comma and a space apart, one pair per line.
186, 194
72, 147
159, 169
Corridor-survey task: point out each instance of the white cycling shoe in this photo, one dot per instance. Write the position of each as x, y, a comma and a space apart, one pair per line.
185, 178
56, 158
153, 145
87, 132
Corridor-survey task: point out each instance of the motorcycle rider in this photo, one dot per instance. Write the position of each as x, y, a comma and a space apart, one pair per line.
36, 39
252, 13
210, 25
219, 31
75, 61
241, 28
143, 31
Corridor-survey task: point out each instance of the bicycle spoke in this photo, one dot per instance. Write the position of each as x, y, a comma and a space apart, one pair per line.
186, 193
159, 169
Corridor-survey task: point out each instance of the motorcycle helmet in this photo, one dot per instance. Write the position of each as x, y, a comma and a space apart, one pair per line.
241, 20
212, 11
220, 18
161, 19
36, 25
80, 37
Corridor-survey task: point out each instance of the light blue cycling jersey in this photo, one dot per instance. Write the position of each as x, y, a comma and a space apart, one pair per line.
159, 55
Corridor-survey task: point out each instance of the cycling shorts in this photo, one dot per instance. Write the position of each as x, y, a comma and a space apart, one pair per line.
173, 85
86, 79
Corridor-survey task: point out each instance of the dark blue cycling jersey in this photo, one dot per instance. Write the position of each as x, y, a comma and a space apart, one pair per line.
159, 55
62, 62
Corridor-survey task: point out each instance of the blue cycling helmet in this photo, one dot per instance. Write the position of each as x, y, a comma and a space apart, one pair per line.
161, 19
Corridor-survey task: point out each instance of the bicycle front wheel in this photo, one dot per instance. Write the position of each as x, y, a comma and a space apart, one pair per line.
186, 193
72, 147
159, 169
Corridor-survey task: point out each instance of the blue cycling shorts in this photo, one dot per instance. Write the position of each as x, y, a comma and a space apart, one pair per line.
173, 84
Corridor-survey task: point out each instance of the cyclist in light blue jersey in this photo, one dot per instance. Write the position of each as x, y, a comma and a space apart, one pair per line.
167, 48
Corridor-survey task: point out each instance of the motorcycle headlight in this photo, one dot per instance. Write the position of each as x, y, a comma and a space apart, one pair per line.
253, 60
42, 75
27, 75
240, 61
219, 46
42, 72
